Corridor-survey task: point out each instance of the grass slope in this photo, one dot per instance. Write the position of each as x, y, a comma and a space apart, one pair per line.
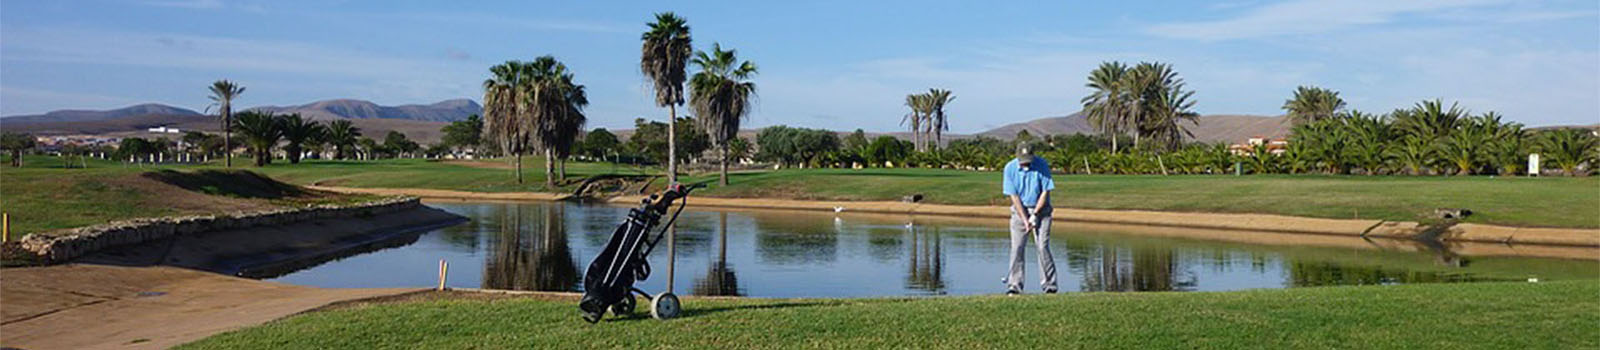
1485, 315
43, 196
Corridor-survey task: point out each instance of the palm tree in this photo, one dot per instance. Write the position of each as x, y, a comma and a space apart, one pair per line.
1368, 135
556, 107
937, 99
1172, 106
1507, 143
1429, 119
1570, 147
663, 57
261, 132
1105, 107
1412, 153
296, 132
223, 92
505, 115
342, 135
919, 106
721, 94
1311, 104
1150, 87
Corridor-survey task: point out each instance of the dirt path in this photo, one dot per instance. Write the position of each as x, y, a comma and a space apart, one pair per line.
107, 307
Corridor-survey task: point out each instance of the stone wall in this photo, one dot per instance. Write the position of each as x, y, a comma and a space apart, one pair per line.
66, 244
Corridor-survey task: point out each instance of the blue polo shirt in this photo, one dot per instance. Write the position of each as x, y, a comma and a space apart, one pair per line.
1027, 184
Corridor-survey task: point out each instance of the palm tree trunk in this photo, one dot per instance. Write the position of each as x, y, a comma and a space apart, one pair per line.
724, 177
519, 166
227, 139
672, 144
561, 170
549, 168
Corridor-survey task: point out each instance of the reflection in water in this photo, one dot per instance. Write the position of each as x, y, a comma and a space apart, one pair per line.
531, 259
927, 260
538, 246
1124, 269
1316, 274
720, 279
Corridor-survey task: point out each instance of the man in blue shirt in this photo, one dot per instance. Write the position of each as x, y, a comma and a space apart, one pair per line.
1027, 182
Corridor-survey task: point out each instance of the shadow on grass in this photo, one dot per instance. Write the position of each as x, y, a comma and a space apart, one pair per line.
232, 183
643, 313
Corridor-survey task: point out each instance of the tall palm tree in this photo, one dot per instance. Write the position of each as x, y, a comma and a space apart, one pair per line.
261, 131
721, 94
296, 132
505, 115
223, 92
1171, 107
937, 123
1311, 104
919, 106
1106, 105
556, 107
1151, 88
342, 135
662, 58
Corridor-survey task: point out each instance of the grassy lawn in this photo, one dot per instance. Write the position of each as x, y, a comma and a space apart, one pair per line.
1550, 201
43, 195
1483, 315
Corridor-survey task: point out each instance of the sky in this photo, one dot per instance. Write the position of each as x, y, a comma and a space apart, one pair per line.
826, 64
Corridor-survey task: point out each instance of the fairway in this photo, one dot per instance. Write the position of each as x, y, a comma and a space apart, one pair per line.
44, 196
1482, 315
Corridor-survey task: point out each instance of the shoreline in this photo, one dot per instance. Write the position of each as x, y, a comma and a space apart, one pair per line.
1464, 232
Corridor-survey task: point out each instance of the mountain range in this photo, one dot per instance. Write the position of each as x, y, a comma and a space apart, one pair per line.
443, 111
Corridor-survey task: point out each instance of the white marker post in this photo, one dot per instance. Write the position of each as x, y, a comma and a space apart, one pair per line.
1533, 164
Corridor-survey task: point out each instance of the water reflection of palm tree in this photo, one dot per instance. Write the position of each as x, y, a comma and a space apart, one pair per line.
720, 279
1136, 269
927, 262
541, 262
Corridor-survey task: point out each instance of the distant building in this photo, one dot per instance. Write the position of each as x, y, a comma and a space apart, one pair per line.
165, 130
1274, 146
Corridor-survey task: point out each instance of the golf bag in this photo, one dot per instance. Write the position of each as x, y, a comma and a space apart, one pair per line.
608, 283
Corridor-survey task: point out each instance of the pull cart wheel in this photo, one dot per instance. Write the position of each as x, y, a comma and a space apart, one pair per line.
665, 306
591, 317
625, 306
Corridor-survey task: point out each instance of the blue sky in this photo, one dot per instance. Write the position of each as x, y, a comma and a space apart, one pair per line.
832, 64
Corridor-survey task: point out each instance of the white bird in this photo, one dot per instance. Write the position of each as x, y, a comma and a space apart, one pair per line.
838, 209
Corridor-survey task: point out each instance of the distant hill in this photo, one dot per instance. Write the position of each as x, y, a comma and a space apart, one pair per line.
443, 111
79, 115
1210, 128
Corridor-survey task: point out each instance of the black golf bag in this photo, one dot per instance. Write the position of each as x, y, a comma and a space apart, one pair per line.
608, 283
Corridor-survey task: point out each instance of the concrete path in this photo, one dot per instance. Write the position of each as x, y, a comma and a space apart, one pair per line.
108, 307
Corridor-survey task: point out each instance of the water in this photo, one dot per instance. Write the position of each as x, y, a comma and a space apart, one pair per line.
546, 246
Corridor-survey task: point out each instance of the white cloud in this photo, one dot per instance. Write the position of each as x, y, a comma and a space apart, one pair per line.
1306, 17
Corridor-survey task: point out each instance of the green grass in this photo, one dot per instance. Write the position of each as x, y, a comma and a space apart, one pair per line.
1481, 315
1548, 201
432, 174
43, 195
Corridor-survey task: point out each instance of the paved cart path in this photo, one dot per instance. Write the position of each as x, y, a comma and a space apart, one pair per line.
81, 306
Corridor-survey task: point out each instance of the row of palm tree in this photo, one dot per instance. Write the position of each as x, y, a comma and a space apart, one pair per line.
927, 119
1148, 100
721, 93
534, 105
1430, 138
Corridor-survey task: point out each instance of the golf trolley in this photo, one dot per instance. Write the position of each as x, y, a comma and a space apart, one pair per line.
608, 284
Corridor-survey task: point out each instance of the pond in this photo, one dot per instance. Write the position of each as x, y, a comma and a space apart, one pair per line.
546, 246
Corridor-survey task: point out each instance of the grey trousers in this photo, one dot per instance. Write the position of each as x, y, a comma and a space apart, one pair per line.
1041, 240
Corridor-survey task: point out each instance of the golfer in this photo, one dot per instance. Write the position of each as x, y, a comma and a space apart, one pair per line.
1027, 181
